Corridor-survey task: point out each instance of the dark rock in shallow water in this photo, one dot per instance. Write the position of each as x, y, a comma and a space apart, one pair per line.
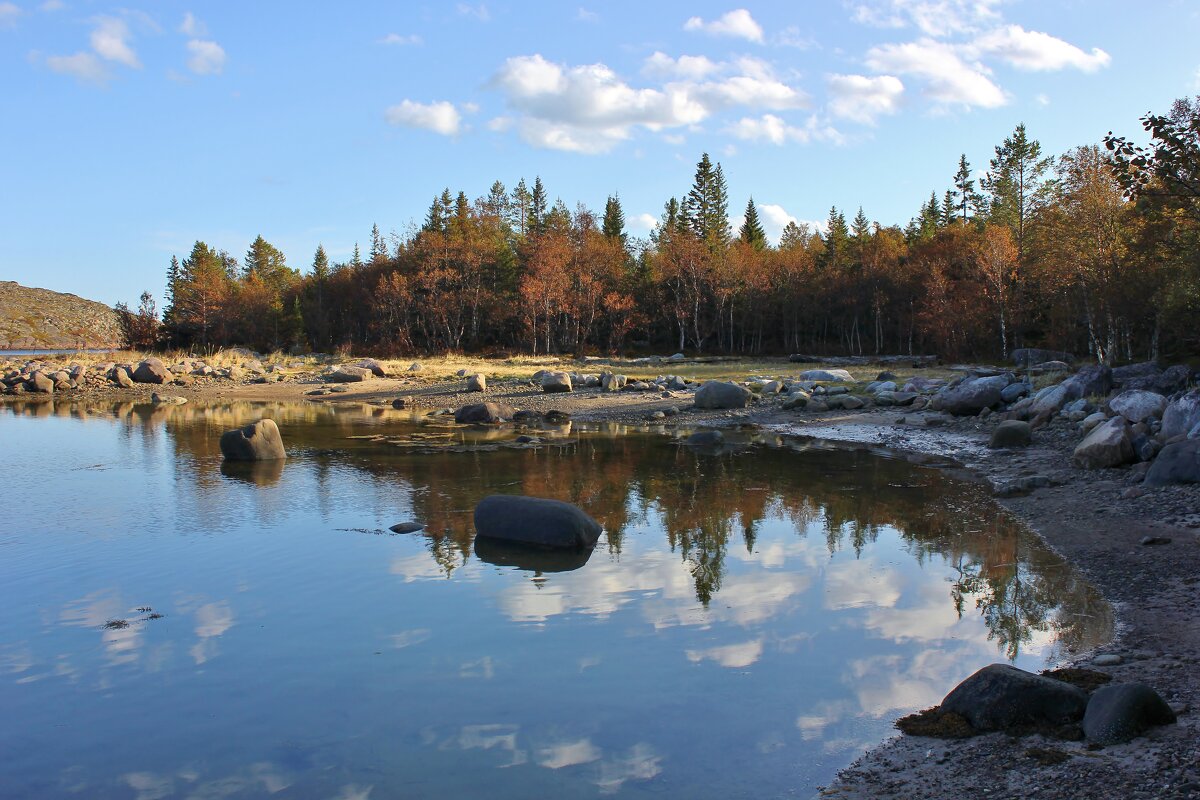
535, 521
704, 439
528, 557
1000, 696
258, 441
1119, 712
406, 527
484, 412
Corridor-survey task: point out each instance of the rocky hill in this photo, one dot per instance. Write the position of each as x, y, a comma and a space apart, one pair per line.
45, 320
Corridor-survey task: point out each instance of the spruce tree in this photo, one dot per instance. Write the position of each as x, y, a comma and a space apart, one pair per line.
538, 204
837, 241
752, 232
320, 265
967, 199
705, 209
519, 208
792, 236
613, 226
1016, 184
378, 246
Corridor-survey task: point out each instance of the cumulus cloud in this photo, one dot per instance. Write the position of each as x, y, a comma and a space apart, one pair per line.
738, 24
931, 17
863, 99
84, 66
584, 15
1037, 51
479, 12
777, 131
110, 40
644, 222
775, 218
589, 108
401, 40
206, 57
192, 26
950, 81
8, 14
440, 117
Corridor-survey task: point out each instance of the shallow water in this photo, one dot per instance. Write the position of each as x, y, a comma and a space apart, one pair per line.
751, 620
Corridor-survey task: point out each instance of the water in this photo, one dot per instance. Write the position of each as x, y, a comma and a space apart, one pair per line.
750, 622
7, 354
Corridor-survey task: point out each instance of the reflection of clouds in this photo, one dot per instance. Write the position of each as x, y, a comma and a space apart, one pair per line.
15, 658
419, 567
97, 608
410, 638
568, 754
482, 668
353, 791
828, 712
885, 685
493, 737
744, 599
254, 780
212, 620
640, 763
742, 654
861, 583
149, 786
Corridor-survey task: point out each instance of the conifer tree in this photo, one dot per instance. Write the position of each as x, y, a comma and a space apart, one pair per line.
613, 226
968, 201
1016, 184
320, 265
538, 203
519, 207
837, 241
752, 232
705, 209
378, 246
792, 236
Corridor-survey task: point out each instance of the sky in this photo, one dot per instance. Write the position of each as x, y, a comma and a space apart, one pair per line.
128, 131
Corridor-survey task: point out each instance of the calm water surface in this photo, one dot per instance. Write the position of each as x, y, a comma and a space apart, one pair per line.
750, 622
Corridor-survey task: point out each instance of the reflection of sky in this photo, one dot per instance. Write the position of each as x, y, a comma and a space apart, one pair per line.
300, 650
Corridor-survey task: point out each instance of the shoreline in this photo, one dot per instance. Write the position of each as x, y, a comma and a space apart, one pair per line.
1095, 519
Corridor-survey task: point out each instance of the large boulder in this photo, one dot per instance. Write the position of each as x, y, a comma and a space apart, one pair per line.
826, 375
1093, 381
535, 521
258, 441
1171, 380
610, 382
721, 394
369, 363
1181, 415
1015, 391
121, 377
152, 370
1000, 696
1011, 433
348, 373
477, 383
1050, 400
972, 396
1107, 445
40, 382
1136, 376
1119, 712
1025, 356
1178, 462
556, 382
484, 412
1138, 405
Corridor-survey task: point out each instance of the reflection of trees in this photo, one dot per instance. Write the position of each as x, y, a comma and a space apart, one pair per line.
630, 481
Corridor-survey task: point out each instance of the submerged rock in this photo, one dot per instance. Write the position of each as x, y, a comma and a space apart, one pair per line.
704, 439
258, 441
535, 521
406, 527
1000, 696
1119, 712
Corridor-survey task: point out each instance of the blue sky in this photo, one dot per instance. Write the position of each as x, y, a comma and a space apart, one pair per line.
131, 131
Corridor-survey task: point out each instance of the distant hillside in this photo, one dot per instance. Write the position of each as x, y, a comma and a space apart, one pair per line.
43, 320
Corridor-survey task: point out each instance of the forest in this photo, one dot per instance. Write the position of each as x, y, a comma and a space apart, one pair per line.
1095, 251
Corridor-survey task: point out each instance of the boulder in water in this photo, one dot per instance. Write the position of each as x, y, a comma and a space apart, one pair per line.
535, 521
258, 441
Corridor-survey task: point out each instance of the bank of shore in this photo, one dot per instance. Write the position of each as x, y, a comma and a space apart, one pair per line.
1097, 519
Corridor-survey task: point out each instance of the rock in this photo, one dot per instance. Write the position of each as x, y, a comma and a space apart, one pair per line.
122, 378
1107, 660
1121, 711
1181, 415
794, 401
612, 383
826, 375
1025, 356
703, 439
369, 363
847, 402
258, 441
348, 373
415, 366
484, 412
1091, 421
152, 370
904, 398
676, 357
1136, 376
235, 373
1171, 380
721, 394
167, 399
1093, 381
40, 382
885, 376
1152, 541
1177, 463
817, 406
1107, 445
971, 397
1000, 696
1015, 391
1050, 366
885, 399
477, 383
1011, 433
1144, 447
535, 521
772, 387
400, 403
1137, 405
882, 386
406, 527
1050, 400
556, 417
553, 382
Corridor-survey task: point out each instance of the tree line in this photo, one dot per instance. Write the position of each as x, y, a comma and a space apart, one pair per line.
1094, 251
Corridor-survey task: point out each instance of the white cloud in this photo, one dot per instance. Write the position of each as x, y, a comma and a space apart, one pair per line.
950, 81
931, 17
584, 15
401, 39
192, 26
479, 12
661, 65
441, 117
84, 66
1037, 51
645, 222
8, 14
207, 58
1042, 100
775, 130
775, 218
864, 99
738, 24
53, 5
110, 40
792, 36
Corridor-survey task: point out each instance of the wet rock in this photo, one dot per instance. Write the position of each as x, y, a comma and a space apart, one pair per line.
721, 394
554, 382
1000, 696
1181, 415
535, 521
1011, 433
348, 373
258, 441
1177, 463
400, 403
706, 439
152, 370
1119, 712
477, 383
1108, 445
406, 527
1137, 405
484, 412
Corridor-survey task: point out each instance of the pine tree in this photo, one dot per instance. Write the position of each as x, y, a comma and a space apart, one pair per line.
538, 204
705, 209
949, 212
436, 217
837, 241
1016, 185
379, 251
752, 232
265, 262
320, 265
967, 199
613, 226
519, 207
356, 261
